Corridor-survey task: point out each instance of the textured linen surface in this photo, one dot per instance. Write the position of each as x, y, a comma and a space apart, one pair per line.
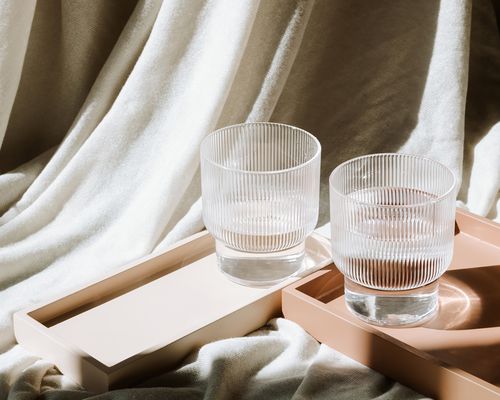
103, 105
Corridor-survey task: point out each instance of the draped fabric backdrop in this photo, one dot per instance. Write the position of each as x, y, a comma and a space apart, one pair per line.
103, 104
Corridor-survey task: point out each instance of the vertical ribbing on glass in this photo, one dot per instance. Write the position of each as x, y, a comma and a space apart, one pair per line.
260, 185
392, 220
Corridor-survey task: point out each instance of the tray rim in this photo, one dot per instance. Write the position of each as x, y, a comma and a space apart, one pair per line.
23, 317
134, 264
292, 291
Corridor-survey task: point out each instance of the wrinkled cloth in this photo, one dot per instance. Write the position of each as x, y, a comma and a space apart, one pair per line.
278, 361
103, 105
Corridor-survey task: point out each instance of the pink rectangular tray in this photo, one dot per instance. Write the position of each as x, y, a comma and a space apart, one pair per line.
455, 356
150, 315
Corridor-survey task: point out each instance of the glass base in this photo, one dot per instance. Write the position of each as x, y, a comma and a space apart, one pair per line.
392, 308
259, 269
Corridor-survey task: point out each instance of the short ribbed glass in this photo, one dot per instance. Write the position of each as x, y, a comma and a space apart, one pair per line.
392, 223
260, 193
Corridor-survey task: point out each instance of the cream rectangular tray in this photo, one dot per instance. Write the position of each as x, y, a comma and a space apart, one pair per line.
455, 356
150, 315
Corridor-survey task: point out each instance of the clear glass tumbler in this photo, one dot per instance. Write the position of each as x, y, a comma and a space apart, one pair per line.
260, 193
392, 221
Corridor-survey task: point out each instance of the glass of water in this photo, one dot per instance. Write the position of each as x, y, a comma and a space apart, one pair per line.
392, 222
260, 194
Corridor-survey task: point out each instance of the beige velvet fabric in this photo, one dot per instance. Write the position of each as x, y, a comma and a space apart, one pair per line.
103, 104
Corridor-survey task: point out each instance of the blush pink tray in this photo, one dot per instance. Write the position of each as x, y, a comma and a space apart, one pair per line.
455, 356
149, 316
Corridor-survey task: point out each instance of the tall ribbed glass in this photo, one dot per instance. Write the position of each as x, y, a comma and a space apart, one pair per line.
260, 193
392, 221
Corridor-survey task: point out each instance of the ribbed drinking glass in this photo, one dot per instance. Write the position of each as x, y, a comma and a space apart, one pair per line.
260, 193
392, 222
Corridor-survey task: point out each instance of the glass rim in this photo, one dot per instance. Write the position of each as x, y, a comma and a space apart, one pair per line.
316, 154
422, 204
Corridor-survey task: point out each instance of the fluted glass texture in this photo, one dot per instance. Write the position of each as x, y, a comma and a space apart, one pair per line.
260, 186
392, 220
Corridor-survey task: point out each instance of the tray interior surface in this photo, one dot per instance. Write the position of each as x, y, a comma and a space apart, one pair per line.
466, 331
156, 302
